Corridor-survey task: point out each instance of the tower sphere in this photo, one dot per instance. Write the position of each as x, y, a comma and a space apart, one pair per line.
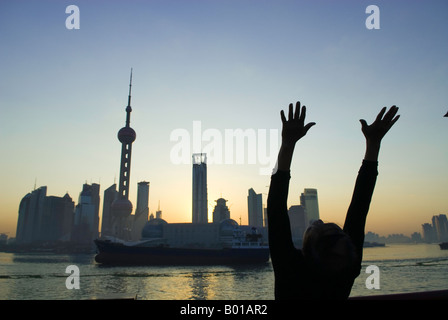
126, 135
122, 207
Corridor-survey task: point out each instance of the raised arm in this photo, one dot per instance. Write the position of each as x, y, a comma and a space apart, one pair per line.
280, 240
293, 130
365, 182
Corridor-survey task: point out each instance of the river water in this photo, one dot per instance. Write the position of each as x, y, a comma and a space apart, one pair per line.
401, 268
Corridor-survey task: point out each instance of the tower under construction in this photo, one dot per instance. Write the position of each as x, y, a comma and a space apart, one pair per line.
200, 212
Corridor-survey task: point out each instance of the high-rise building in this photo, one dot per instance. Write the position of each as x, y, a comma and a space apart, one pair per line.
255, 208
57, 218
308, 199
122, 207
110, 194
298, 223
200, 210
140, 218
221, 211
429, 235
86, 222
159, 212
30, 216
440, 225
44, 218
142, 199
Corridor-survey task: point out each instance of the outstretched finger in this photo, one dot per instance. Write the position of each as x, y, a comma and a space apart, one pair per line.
380, 115
394, 120
297, 112
308, 126
391, 114
282, 115
290, 115
303, 114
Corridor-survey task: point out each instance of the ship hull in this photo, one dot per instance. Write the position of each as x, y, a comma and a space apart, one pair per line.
110, 253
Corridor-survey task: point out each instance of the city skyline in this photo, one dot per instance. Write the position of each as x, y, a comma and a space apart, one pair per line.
143, 192
230, 65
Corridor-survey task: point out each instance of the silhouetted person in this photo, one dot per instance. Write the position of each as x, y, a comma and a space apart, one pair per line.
330, 258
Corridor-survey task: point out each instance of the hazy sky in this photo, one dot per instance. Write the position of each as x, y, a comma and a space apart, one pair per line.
225, 65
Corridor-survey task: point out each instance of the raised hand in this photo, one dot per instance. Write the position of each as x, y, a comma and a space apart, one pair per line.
294, 128
375, 132
378, 129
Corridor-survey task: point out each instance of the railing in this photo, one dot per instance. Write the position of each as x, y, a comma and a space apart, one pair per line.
428, 295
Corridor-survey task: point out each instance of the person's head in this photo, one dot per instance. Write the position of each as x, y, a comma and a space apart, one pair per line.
328, 249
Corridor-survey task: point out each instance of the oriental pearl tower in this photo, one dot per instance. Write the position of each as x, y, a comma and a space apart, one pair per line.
122, 207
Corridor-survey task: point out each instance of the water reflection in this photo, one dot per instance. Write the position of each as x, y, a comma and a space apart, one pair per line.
206, 283
200, 285
43, 276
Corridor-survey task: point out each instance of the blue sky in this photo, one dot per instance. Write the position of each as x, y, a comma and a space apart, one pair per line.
228, 64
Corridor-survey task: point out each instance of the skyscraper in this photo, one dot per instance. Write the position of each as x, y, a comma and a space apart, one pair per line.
298, 224
110, 195
429, 235
159, 212
440, 225
142, 199
43, 218
85, 228
255, 208
140, 218
200, 210
57, 220
30, 216
122, 207
308, 199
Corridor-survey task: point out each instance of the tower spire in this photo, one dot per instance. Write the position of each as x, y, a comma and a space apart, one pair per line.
128, 108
